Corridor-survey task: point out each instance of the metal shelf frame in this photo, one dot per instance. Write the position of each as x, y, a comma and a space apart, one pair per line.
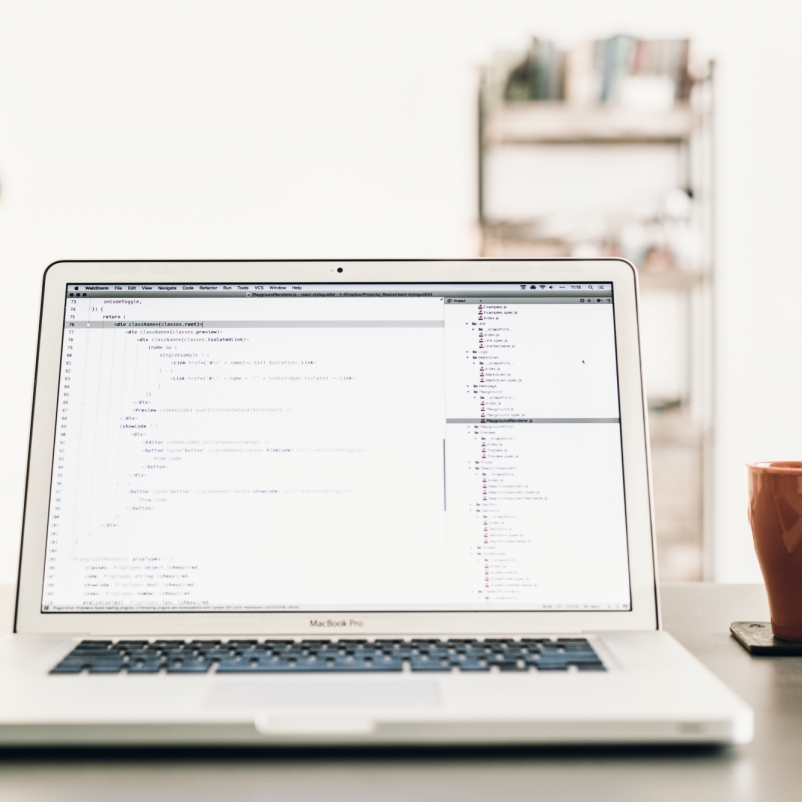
689, 127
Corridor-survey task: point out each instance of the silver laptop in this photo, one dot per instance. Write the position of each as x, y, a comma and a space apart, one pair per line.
344, 502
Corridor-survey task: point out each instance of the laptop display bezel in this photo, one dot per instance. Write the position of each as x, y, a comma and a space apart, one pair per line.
643, 615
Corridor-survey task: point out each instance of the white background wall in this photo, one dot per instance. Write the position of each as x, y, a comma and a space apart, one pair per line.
190, 128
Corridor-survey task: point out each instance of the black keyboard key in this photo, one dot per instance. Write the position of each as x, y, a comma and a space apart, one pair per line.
69, 667
189, 665
583, 657
106, 667
433, 661
510, 665
474, 665
278, 650
140, 666
127, 645
432, 665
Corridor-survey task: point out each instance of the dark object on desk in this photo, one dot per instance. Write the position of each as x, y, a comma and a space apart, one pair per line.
757, 638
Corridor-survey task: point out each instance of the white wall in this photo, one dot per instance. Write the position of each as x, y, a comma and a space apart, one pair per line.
333, 128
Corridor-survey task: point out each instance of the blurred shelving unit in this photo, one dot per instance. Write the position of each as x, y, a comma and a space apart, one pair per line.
680, 416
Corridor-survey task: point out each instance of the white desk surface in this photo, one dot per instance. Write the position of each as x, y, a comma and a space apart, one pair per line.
697, 614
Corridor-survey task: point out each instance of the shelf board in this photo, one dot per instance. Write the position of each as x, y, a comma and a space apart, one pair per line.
542, 122
674, 427
515, 238
669, 279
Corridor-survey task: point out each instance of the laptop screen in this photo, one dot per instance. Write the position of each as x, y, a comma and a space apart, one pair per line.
336, 447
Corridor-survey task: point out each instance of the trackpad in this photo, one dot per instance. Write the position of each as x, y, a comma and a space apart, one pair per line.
321, 694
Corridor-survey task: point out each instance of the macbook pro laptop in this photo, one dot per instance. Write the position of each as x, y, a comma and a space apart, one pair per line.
344, 502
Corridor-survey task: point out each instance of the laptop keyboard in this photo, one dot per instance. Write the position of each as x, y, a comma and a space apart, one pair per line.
294, 657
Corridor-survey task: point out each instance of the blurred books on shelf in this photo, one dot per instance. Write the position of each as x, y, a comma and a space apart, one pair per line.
649, 74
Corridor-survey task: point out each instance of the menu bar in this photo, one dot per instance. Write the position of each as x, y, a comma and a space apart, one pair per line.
373, 289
